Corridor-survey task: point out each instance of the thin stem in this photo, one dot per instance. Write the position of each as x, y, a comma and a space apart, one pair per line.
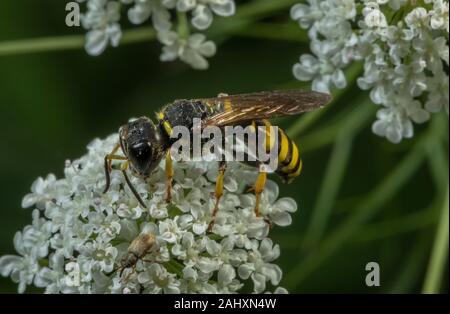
333, 180
439, 255
374, 202
401, 225
251, 12
275, 31
183, 25
48, 44
354, 120
410, 272
377, 231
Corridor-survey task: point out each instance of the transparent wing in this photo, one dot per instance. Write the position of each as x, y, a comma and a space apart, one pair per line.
234, 109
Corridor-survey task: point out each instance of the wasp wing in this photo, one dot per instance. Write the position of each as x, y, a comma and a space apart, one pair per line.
235, 109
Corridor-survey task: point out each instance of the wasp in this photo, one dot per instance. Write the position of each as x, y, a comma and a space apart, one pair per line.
137, 250
144, 144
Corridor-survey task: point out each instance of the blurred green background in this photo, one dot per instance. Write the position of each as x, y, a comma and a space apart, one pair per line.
361, 199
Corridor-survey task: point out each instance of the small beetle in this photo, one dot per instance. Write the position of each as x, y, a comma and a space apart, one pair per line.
137, 250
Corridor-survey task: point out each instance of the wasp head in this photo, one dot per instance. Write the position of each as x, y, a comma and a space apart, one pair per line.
142, 144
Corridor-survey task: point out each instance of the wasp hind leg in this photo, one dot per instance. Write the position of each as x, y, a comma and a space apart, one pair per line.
218, 192
259, 188
169, 176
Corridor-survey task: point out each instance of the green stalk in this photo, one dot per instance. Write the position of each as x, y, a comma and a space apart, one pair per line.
354, 119
439, 255
275, 31
371, 206
332, 182
409, 273
251, 12
49, 44
183, 25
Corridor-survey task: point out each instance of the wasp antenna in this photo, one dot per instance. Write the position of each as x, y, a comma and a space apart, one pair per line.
130, 185
107, 175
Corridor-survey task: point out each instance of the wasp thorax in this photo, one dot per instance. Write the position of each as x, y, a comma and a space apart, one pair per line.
141, 143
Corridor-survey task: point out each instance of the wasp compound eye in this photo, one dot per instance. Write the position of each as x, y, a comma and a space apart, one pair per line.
140, 155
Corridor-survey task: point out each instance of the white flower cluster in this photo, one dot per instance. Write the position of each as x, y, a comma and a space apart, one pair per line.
79, 235
404, 47
102, 22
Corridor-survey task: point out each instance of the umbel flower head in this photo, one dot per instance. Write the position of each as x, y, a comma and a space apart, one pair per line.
102, 20
404, 47
79, 236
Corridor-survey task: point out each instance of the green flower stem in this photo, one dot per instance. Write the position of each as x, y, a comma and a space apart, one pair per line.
16, 47
390, 228
370, 207
48, 44
377, 231
410, 273
439, 255
183, 25
251, 12
333, 179
355, 120
438, 161
275, 31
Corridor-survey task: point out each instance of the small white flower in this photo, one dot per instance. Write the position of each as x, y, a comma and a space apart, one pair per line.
102, 18
157, 280
404, 57
102, 22
259, 267
439, 15
192, 50
78, 236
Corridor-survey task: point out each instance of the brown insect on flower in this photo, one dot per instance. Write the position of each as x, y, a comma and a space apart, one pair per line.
138, 249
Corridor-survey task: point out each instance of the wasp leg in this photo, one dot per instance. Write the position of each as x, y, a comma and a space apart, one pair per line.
218, 192
108, 161
169, 175
124, 168
259, 188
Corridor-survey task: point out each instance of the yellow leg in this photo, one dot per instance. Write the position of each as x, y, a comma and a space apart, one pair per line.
218, 193
259, 188
111, 154
124, 166
169, 174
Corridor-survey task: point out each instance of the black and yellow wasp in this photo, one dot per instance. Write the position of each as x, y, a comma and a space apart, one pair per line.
144, 144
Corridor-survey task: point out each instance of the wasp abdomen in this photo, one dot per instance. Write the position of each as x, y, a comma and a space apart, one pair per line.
288, 153
289, 161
